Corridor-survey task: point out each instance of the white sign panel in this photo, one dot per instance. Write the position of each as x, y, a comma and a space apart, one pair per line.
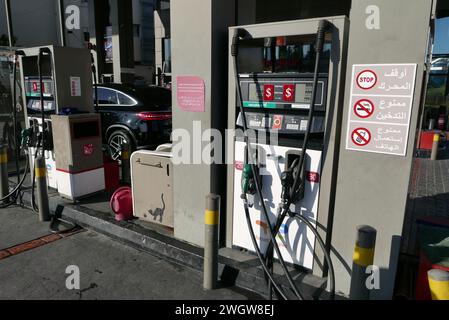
380, 107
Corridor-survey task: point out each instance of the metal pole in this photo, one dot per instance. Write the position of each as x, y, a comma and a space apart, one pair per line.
14, 118
436, 140
61, 22
438, 284
126, 171
4, 183
9, 22
40, 172
362, 258
211, 218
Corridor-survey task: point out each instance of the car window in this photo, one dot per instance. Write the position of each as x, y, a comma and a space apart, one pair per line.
106, 96
125, 100
156, 97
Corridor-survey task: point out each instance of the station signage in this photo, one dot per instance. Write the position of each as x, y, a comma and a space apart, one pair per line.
380, 108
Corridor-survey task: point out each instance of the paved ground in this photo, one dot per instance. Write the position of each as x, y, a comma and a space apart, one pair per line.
428, 195
108, 269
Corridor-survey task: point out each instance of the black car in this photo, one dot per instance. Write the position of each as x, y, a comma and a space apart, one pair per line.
139, 115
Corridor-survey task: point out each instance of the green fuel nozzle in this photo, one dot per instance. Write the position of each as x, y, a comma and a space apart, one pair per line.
247, 177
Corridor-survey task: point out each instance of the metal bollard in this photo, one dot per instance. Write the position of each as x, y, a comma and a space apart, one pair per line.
438, 284
4, 183
211, 219
126, 171
40, 172
436, 141
362, 258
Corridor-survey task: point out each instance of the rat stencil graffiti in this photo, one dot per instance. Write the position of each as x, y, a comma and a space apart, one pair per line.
158, 212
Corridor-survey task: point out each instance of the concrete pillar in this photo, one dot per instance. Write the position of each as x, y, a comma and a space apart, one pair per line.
372, 188
122, 40
199, 32
98, 16
161, 31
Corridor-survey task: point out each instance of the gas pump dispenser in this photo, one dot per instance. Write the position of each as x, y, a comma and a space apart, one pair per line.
285, 100
57, 82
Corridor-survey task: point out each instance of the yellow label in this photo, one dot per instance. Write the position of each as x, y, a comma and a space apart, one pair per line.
363, 256
211, 217
40, 172
4, 158
125, 155
439, 289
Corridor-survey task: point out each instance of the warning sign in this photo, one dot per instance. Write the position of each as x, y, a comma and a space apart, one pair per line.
380, 108
366, 79
364, 108
361, 136
277, 122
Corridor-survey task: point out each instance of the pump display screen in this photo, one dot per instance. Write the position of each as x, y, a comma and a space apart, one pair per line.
298, 93
33, 87
304, 92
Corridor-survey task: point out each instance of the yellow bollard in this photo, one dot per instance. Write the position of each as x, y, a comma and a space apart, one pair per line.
362, 258
436, 141
211, 224
438, 284
4, 183
126, 169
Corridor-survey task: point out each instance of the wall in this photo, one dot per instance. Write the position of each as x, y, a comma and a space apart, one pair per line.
36, 23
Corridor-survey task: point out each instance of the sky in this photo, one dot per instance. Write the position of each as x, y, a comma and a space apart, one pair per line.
441, 44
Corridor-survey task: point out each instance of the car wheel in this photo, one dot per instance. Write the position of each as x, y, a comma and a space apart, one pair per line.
115, 141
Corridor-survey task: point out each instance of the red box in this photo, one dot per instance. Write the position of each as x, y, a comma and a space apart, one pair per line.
111, 174
426, 140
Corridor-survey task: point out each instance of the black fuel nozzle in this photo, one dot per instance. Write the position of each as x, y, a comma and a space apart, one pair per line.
239, 33
287, 183
45, 50
323, 26
47, 136
19, 53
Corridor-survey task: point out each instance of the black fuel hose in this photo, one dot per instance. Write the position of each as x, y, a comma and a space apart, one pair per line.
95, 75
14, 113
234, 51
259, 254
41, 84
14, 192
33, 178
322, 26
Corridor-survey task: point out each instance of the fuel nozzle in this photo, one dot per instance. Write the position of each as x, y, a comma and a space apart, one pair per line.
323, 26
247, 176
289, 193
287, 183
238, 34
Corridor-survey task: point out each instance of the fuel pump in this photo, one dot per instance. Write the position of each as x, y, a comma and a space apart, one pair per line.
286, 84
57, 84
12, 197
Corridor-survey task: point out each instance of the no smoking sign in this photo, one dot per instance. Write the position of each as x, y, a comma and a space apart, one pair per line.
366, 79
361, 136
364, 108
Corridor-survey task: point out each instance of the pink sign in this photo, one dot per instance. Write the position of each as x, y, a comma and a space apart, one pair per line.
190, 92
